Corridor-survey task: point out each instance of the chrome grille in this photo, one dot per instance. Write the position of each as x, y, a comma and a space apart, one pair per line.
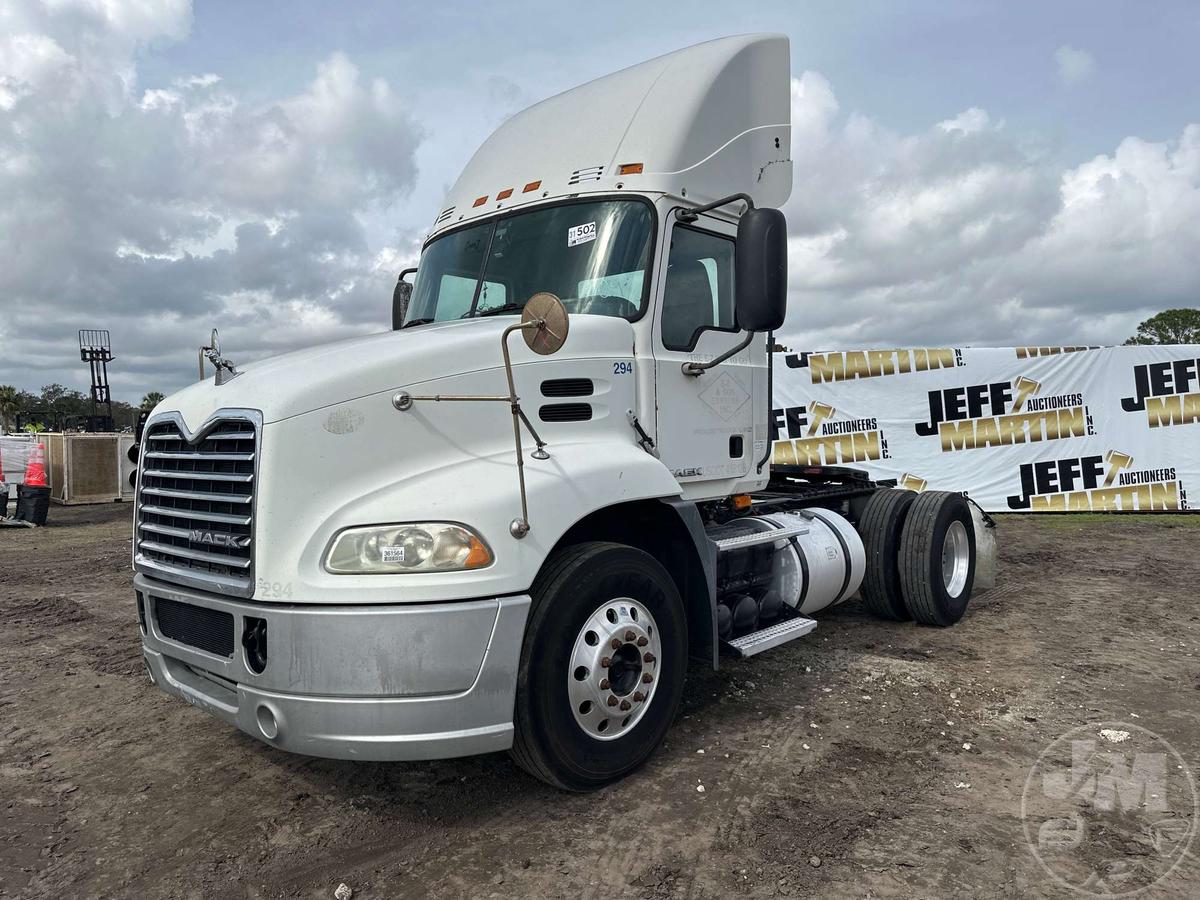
195, 511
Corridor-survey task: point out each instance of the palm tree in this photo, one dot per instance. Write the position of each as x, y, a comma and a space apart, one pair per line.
8, 405
152, 400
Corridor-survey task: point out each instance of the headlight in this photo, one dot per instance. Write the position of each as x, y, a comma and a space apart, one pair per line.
396, 549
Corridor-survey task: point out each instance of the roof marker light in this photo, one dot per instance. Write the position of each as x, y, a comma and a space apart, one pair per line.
479, 201
504, 194
532, 186
629, 169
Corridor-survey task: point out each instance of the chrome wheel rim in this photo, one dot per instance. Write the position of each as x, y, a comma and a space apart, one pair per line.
614, 669
956, 558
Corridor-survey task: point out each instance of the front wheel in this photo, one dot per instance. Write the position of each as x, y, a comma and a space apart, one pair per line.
602, 666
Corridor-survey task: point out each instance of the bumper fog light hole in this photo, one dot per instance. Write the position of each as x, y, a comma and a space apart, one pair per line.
266, 723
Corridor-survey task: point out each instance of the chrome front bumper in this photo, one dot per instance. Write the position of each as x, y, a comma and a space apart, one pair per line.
402, 682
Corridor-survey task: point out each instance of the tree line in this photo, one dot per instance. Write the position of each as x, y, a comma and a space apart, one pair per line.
56, 406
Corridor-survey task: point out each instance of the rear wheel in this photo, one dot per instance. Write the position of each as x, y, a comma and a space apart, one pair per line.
602, 666
881, 525
937, 558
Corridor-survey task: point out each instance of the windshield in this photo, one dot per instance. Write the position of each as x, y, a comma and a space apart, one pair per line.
593, 255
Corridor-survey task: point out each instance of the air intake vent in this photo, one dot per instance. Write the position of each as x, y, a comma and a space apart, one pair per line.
210, 630
567, 387
592, 173
565, 412
443, 216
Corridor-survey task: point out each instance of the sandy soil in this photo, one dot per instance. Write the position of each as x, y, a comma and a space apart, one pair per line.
836, 765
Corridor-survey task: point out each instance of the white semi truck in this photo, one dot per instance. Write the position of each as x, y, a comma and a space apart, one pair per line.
510, 521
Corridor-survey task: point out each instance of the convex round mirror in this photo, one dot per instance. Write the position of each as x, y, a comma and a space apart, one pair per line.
549, 336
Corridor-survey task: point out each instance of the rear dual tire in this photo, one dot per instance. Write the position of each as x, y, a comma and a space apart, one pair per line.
881, 527
920, 553
937, 558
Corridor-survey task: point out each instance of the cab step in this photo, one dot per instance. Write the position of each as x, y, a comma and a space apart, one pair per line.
771, 636
760, 537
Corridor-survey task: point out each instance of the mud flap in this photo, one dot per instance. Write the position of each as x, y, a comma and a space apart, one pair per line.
985, 549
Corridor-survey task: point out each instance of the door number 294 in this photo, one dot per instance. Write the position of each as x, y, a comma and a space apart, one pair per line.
622, 368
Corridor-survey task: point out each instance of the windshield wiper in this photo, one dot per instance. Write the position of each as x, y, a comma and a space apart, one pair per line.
413, 322
496, 310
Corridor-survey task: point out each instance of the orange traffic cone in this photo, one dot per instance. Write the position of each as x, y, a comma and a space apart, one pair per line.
35, 471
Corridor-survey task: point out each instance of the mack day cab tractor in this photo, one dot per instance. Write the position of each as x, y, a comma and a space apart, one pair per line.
509, 522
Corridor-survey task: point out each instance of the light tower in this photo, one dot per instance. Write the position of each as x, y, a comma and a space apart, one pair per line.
95, 349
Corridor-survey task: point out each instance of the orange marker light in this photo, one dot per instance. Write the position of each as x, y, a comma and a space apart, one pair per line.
532, 186
741, 501
629, 169
479, 556
480, 201
504, 194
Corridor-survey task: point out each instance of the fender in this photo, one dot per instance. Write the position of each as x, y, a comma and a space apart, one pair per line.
702, 632
479, 491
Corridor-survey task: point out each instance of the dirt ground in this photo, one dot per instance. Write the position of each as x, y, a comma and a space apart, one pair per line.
865, 760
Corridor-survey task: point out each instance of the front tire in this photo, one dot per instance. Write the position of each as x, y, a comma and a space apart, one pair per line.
937, 558
602, 666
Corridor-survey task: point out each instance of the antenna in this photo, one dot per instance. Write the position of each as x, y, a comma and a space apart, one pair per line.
95, 349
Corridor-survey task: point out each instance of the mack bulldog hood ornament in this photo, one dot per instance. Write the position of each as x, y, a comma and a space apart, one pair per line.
224, 368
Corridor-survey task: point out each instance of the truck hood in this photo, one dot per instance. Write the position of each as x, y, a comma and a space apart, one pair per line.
305, 380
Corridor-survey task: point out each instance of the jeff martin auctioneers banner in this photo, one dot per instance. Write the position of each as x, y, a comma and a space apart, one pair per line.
1018, 429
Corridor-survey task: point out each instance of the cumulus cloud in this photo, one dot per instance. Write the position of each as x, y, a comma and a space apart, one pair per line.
1074, 65
960, 234
157, 211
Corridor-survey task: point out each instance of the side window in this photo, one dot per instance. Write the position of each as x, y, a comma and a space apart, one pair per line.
699, 288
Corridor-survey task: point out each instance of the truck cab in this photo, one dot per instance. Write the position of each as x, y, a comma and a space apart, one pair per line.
508, 522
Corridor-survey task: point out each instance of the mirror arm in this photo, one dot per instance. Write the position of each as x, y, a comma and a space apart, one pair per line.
691, 215
698, 368
403, 401
404, 272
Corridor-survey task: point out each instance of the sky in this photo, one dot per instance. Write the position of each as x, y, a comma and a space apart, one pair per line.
970, 173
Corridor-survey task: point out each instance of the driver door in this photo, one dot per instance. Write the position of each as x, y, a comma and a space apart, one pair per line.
705, 422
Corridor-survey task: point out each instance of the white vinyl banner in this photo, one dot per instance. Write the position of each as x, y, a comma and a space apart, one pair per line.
1018, 429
